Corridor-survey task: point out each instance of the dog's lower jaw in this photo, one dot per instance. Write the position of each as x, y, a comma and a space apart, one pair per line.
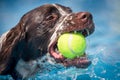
26, 69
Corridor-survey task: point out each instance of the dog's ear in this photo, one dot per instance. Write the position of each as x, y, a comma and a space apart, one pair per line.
10, 52
30, 37
39, 26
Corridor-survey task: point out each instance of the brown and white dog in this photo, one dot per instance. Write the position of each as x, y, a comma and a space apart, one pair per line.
36, 34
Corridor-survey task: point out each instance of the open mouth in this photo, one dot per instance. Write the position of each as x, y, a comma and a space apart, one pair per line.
80, 62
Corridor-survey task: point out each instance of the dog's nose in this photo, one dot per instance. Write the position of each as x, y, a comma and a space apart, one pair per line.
84, 16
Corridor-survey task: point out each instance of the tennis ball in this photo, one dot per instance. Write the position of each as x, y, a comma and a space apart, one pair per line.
71, 45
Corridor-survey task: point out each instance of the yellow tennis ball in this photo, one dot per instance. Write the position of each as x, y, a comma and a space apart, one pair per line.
71, 45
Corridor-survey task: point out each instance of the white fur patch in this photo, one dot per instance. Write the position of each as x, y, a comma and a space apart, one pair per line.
27, 69
30, 68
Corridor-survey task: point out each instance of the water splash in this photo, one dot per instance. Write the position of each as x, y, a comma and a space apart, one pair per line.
105, 66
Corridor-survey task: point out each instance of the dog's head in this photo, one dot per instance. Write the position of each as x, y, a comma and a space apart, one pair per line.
45, 24
38, 31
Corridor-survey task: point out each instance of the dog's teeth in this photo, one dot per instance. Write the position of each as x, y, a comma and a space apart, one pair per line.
75, 31
87, 32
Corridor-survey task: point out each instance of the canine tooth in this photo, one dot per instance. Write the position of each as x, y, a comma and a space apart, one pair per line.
87, 32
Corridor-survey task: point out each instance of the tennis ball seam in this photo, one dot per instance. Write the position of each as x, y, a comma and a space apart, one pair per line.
69, 44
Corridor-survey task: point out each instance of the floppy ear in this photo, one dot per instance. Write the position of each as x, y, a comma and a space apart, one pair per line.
39, 25
10, 52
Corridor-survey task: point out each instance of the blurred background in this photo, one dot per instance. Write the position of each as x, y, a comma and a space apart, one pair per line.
103, 45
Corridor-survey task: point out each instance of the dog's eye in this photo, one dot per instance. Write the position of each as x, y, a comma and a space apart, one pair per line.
52, 16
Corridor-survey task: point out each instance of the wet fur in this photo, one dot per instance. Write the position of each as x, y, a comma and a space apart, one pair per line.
29, 39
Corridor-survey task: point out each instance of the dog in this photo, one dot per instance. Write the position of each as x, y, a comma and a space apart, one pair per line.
36, 34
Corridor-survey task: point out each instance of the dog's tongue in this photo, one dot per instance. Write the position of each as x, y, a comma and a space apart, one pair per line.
52, 50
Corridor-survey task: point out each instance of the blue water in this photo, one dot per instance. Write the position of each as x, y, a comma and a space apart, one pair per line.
103, 46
